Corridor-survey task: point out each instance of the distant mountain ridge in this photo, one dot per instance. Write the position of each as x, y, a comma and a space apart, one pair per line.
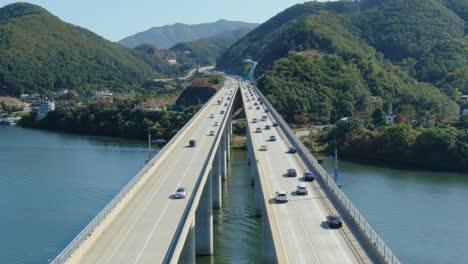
41, 53
167, 36
206, 51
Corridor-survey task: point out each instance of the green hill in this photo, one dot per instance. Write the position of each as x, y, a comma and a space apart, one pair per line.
167, 36
206, 51
39, 52
328, 60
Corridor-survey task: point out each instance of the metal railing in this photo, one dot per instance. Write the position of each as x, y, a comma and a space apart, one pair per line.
333, 189
89, 229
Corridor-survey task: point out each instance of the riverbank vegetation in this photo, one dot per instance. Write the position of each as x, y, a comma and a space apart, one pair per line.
101, 121
438, 148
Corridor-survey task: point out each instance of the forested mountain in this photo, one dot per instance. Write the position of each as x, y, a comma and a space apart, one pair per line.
206, 51
166, 36
39, 52
330, 60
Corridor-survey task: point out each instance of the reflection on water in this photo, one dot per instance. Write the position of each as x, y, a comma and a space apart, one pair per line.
237, 231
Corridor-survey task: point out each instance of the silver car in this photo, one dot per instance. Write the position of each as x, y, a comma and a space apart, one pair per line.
180, 193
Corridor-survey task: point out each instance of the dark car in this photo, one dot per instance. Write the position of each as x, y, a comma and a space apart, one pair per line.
192, 143
292, 150
309, 176
334, 221
275, 124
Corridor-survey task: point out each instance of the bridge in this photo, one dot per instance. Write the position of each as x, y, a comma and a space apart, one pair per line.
144, 223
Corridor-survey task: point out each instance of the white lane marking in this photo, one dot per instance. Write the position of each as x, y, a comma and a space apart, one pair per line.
274, 212
167, 205
146, 206
299, 215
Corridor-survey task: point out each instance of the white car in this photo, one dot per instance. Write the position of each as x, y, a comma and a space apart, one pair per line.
211, 116
302, 189
180, 193
254, 120
281, 197
216, 123
259, 130
264, 148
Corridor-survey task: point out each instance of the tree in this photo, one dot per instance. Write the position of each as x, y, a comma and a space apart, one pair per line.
379, 118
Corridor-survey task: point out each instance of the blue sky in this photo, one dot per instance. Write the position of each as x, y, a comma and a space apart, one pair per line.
116, 19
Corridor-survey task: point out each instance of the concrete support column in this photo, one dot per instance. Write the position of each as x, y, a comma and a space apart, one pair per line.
223, 156
269, 254
188, 252
228, 138
204, 220
249, 147
216, 178
259, 203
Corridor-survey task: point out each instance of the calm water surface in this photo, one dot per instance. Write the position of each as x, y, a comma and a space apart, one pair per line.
422, 216
52, 185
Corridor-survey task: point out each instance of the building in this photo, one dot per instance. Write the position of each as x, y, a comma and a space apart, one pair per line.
45, 105
172, 61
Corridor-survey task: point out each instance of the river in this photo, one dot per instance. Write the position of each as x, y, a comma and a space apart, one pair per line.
53, 184
422, 216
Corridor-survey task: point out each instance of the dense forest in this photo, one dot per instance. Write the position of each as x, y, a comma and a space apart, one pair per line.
402, 145
101, 121
41, 53
331, 60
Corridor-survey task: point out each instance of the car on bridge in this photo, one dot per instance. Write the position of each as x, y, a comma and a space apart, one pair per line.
263, 148
258, 130
334, 221
267, 127
309, 176
258, 108
211, 116
192, 143
272, 138
292, 150
216, 124
254, 120
222, 112
211, 133
281, 197
275, 124
180, 193
219, 102
225, 104
267, 110
291, 173
302, 189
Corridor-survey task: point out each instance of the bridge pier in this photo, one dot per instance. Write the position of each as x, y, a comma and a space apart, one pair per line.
188, 251
228, 138
224, 155
216, 178
259, 203
204, 220
269, 254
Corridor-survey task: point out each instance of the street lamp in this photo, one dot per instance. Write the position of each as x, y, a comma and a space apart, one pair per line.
158, 141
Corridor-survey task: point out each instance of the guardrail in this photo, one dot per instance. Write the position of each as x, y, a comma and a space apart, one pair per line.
333, 189
177, 244
89, 229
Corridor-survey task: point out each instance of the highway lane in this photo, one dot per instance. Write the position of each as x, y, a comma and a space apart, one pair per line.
143, 230
304, 234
